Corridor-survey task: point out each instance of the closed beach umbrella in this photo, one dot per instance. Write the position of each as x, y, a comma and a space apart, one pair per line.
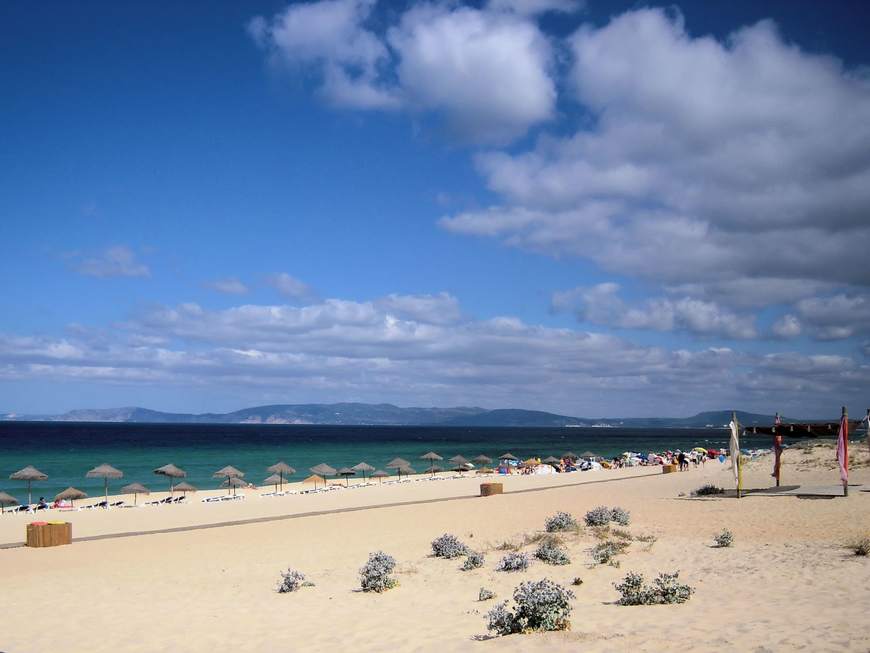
7, 500
70, 494
398, 464
365, 468
29, 474
380, 474
323, 470
184, 487
172, 472
314, 478
105, 472
347, 472
274, 479
228, 472
482, 460
135, 489
282, 469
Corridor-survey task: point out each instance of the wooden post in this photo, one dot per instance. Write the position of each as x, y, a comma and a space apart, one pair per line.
846, 451
867, 417
777, 450
735, 456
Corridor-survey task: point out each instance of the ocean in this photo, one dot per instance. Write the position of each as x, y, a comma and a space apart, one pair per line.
67, 450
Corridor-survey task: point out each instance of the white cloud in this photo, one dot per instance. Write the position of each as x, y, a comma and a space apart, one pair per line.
602, 305
788, 326
442, 308
290, 286
836, 317
489, 72
115, 261
486, 71
705, 163
229, 286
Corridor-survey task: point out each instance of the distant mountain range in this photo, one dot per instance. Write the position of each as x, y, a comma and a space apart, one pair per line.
387, 414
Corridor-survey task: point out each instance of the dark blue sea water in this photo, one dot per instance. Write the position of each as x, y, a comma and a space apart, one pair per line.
67, 450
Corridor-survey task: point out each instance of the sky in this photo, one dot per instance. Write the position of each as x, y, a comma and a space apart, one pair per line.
595, 208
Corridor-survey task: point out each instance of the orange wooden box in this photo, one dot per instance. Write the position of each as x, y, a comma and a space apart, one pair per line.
488, 489
668, 469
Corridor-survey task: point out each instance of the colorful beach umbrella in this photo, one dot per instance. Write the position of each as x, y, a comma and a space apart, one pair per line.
105, 472
29, 474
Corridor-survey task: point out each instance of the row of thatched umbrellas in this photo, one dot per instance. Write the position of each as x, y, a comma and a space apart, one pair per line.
233, 477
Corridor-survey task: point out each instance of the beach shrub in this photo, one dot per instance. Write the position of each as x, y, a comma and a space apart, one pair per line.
514, 562
560, 522
552, 552
292, 580
485, 594
708, 490
724, 539
500, 620
473, 560
577, 581
540, 605
620, 516
375, 574
665, 589
604, 552
599, 516
448, 546
861, 547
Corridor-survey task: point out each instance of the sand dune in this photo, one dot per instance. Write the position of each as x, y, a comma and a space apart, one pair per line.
786, 584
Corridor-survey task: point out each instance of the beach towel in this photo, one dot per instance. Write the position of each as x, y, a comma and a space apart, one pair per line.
734, 450
843, 449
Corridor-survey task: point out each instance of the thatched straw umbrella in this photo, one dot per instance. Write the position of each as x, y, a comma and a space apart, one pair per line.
29, 474
431, 457
347, 472
435, 469
281, 469
135, 489
551, 460
588, 454
314, 478
482, 460
105, 472
228, 472
233, 482
71, 494
407, 470
7, 500
507, 456
184, 487
323, 470
274, 479
364, 468
398, 464
172, 472
380, 474
459, 462
570, 455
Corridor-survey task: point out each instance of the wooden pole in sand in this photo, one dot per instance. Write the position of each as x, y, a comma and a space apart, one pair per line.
867, 418
777, 449
735, 456
846, 446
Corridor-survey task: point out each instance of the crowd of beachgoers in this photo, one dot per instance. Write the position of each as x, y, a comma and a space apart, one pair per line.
282, 473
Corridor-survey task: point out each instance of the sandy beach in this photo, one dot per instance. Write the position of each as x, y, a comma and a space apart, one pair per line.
786, 584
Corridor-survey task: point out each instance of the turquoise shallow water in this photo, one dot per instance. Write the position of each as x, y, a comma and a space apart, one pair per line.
67, 450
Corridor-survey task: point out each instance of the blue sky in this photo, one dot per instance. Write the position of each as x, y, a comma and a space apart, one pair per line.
600, 208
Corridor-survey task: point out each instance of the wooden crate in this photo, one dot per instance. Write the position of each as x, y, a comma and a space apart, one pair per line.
668, 469
488, 489
42, 534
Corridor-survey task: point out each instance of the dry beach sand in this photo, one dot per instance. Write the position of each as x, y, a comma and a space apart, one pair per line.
786, 584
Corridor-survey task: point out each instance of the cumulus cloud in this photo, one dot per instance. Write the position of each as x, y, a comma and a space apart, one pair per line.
706, 163
487, 71
290, 286
115, 261
788, 326
836, 317
229, 286
535, 7
602, 305
442, 308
